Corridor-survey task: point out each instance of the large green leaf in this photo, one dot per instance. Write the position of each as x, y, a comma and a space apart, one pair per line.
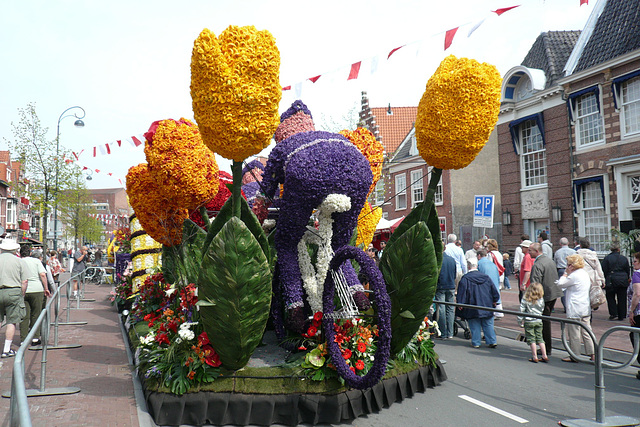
193, 238
226, 212
235, 276
410, 270
251, 221
171, 263
426, 212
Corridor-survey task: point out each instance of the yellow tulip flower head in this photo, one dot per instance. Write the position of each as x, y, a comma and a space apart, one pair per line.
457, 112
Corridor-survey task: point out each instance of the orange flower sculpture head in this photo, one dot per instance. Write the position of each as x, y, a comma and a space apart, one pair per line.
158, 217
184, 169
457, 112
370, 148
235, 90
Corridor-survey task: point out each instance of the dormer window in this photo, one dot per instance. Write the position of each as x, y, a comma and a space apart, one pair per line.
521, 83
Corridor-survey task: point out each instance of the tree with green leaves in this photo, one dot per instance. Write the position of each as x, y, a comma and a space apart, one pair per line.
74, 209
37, 155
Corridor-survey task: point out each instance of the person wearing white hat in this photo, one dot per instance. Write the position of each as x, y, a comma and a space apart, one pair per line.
13, 284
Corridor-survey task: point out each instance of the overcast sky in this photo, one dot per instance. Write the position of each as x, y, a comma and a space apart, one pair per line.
127, 63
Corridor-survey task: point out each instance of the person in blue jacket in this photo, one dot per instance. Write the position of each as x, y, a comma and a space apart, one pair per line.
476, 288
445, 292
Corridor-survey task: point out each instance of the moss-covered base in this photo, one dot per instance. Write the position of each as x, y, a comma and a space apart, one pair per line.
277, 395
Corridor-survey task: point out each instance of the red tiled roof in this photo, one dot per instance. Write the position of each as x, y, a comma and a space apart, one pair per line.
394, 127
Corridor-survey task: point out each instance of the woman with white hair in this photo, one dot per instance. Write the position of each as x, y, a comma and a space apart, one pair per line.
577, 283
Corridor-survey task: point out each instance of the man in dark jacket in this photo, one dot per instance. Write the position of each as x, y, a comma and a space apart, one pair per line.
476, 288
445, 292
544, 271
616, 273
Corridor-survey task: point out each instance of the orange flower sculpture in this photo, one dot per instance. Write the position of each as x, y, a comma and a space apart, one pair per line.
370, 148
457, 112
235, 90
159, 218
184, 169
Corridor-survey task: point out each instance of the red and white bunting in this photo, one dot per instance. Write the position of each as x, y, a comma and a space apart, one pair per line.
108, 148
354, 68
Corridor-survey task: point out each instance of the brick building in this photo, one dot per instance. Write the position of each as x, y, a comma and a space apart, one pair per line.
112, 209
569, 131
405, 176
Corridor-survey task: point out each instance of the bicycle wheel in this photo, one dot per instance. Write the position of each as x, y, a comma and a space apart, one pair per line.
383, 314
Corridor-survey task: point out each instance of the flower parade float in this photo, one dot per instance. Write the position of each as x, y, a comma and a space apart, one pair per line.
199, 318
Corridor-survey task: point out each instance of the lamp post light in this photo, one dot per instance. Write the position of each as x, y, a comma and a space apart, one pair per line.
78, 123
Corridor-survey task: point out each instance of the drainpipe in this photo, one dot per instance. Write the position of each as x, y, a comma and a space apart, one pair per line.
572, 164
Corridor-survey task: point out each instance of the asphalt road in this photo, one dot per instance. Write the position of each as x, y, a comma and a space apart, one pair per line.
516, 391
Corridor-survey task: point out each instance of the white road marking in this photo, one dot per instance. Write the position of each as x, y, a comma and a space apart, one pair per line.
493, 409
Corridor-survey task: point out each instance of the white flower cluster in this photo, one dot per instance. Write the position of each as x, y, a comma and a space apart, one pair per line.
313, 278
148, 339
185, 333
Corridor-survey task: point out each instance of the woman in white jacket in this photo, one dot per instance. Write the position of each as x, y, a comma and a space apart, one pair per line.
577, 283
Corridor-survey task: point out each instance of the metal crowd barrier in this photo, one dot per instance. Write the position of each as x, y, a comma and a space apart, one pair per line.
599, 363
19, 406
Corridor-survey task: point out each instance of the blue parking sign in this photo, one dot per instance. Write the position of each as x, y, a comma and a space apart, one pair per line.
483, 211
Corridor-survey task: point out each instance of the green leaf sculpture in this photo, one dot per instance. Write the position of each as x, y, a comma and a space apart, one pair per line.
182, 263
410, 269
235, 276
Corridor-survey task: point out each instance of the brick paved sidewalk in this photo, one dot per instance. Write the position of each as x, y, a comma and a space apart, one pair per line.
99, 368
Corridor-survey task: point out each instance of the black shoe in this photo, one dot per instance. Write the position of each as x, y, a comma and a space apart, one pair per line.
612, 317
621, 318
638, 375
492, 345
36, 342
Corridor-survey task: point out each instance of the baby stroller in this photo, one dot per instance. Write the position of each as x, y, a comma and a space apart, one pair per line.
458, 323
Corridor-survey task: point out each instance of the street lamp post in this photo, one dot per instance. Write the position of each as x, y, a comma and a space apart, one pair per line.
78, 123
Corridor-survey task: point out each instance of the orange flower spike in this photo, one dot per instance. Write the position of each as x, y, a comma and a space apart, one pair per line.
184, 169
370, 148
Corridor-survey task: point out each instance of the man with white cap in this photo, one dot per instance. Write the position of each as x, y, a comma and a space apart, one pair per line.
13, 284
525, 268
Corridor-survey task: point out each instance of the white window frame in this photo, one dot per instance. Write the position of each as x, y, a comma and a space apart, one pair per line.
591, 203
588, 121
379, 193
527, 157
443, 233
630, 107
417, 187
439, 194
401, 191
11, 212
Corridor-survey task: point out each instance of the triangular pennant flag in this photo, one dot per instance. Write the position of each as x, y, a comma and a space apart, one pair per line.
102, 150
448, 37
475, 27
108, 148
374, 64
286, 88
94, 151
584, 2
97, 170
314, 79
110, 174
298, 90
504, 9
119, 143
136, 141
355, 70
394, 51
84, 168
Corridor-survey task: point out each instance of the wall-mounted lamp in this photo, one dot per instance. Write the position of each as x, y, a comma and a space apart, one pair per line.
506, 220
556, 216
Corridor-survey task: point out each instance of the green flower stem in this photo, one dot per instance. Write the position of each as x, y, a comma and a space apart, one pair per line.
205, 216
436, 173
236, 191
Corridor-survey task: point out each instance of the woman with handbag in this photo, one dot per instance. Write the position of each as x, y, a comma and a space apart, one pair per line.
577, 283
